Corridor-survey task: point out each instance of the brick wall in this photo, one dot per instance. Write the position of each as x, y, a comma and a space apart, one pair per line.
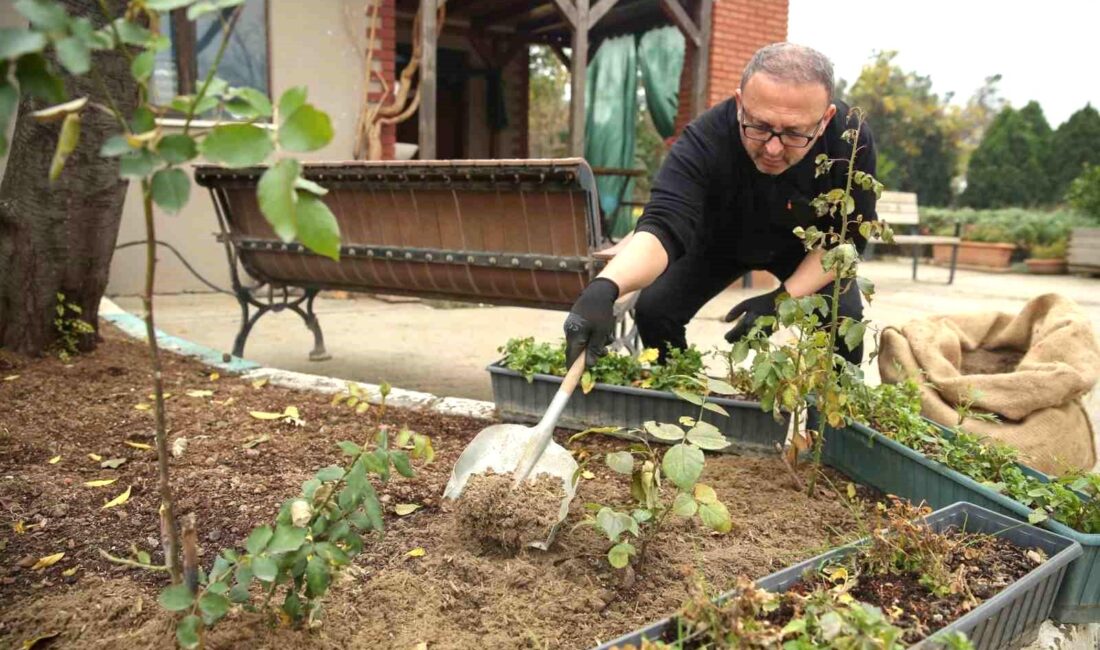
384, 59
739, 28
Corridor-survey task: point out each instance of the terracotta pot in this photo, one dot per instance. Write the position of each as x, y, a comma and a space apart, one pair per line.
976, 254
1056, 266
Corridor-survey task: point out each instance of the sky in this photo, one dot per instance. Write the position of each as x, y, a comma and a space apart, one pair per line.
1048, 51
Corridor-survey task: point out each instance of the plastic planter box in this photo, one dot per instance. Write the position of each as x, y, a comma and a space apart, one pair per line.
1006, 620
747, 428
874, 459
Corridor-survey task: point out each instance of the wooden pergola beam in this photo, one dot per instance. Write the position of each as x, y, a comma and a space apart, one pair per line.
679, 17
702, 58
427, 112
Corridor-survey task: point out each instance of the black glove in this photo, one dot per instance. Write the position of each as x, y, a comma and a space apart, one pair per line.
591, 322
749, 310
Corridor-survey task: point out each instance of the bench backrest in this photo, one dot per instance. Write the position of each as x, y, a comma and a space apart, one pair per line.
514, 232
898, 208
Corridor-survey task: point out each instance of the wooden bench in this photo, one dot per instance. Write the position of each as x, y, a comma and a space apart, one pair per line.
899, 209
505, 232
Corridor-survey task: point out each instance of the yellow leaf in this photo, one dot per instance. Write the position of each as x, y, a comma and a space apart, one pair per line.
588, 474
291, 411
845, 598
403, 509
95, 457
119, 500
851, 491
11, 377
214, 376
19, 528
100, 482
259, 383
138, 445
705, 494
227, 401
55, 460
839, 574
69, 572
30, 643
896, 612
416, 552
199, 393
264, 415
153, 396
143, 406
47, 561
648, 355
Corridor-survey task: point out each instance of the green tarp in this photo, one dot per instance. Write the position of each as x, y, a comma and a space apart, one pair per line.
661, 58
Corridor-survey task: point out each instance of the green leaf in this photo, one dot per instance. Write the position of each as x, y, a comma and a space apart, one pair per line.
684, 505
688, 397
36, 78
664, 431
9, 98
66, 144
711, 406
332, 552
171, 189
176, 598
17, 41
206, 6
621, 462
213, 606
277, 198
166, 5
137, 164
142, 65
115, 146
286, 539
143, 120
705, 494
237, 145
290, 101
317, 576
330, 473
317, 227
401, 464
306, 129
720, 387
707, 436
740, 351
349, 448
853, 338
292, 606
614, 523
1037, 516
866, 286
682, 465
715, 516
187, 631
177, 148
74, 55
309, 186
264, 568
619, 555
46, 15
248, 103
258, 539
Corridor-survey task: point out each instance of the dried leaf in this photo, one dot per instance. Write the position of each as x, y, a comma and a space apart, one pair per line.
403, 509
227, 402
143, 406
30, 643
119, 500
95, 457
19, 527
139, 445
112, 463
259, 383
255, 441
588, 474
55, 460
47, 561
179, 446
101, 482
68, 573
214, 376
11, 377
265, 415
194, 392
416, 552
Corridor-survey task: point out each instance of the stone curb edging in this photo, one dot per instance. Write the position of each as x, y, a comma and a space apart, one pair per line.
134, 326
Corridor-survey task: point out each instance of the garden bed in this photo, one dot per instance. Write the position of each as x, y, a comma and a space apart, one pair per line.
453, 596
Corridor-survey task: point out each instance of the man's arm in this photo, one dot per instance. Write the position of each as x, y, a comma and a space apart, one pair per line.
810, 276
638, 264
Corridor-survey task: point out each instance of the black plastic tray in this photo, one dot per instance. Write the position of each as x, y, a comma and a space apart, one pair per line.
1006, 620
747, 428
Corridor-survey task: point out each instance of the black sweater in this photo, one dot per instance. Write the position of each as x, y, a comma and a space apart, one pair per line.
709, 199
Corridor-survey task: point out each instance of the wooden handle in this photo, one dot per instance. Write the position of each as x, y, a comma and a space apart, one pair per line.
573, 377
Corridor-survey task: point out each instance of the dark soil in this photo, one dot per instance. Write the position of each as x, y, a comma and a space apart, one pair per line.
506, 519
453, 596
990, 362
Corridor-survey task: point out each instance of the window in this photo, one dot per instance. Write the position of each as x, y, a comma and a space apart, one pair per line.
180, 69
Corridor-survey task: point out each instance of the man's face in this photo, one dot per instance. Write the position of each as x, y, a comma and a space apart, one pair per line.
796, 109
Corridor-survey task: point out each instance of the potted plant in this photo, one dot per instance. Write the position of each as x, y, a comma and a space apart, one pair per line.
946, 563
1048, 259
984, 246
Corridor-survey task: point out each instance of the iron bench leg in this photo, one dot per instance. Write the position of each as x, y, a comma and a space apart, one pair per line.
246, 298
626, 334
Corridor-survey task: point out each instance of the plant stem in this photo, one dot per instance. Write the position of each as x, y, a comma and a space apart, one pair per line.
133, 563
169, 533
211, 71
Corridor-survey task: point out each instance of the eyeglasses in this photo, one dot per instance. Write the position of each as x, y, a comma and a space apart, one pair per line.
761, 133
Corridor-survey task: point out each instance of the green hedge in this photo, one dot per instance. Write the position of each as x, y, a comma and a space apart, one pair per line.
1026, 228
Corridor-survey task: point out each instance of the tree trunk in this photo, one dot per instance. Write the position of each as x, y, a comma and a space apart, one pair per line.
59, 237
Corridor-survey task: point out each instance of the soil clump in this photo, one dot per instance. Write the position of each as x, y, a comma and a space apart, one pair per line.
505, 519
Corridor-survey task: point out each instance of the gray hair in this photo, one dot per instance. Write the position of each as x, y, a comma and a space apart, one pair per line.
791, 63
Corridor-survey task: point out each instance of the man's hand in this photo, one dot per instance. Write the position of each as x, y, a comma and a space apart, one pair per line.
749, 310
591, 321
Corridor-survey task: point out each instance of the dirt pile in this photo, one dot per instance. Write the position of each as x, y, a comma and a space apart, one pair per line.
504, 519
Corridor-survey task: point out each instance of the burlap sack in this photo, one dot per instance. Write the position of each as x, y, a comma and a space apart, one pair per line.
1039, 401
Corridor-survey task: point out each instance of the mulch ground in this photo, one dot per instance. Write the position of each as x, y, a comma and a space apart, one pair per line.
457, 595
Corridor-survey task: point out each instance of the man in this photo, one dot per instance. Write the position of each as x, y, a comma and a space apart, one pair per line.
726, 200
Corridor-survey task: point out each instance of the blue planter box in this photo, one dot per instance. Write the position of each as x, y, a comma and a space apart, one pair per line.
874, 459
1006, 620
